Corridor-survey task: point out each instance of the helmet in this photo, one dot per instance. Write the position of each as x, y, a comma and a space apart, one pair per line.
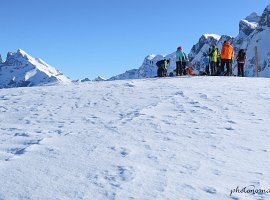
179, 48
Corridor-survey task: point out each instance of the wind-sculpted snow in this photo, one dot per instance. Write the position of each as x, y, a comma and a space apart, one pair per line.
171, 138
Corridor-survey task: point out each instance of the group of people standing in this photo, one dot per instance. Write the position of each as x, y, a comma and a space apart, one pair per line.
216, 62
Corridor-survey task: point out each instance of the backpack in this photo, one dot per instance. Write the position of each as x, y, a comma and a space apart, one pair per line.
184, 58
211, 52
160, 64
242, 54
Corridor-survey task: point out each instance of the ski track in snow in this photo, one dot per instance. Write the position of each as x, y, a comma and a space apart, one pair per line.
172, 138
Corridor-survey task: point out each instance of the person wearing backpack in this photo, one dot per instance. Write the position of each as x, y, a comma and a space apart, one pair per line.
179, 61
213, 60
241, 58
227, 54
162, 68
184, 63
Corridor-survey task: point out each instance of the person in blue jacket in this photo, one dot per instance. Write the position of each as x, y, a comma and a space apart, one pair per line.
179, 61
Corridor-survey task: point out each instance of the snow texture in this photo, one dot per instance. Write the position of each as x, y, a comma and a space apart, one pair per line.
166, 139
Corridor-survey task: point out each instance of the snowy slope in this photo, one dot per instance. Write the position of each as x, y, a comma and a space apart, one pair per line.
21, 69
165, 139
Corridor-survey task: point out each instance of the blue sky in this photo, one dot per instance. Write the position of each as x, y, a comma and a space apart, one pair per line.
86, 38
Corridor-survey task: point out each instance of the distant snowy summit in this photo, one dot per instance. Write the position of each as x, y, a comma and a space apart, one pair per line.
254, 30
22, 70
100, 78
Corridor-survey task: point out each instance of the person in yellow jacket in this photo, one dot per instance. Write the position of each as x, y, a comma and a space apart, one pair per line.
227, 55
213, 60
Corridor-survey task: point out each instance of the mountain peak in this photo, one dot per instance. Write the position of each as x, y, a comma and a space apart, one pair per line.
21, 69
268, 7
22, 52
215, 36
265, 19
253, 17
100, 78
150, 57
247, 27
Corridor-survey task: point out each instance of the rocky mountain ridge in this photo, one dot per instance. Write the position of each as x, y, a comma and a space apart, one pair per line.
20, 70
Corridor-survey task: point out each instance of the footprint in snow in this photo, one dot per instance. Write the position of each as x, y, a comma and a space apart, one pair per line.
210, 190
4, 98
203, 96
229, 128
17, 151
153, 158
21, 135
129, 85
216, 172
3, 109
118, 175
194, 102
180, 93
122, 151
234, 198
32, 142
190, 169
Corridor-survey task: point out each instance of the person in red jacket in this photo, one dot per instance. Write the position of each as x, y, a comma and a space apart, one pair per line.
241, 58
227, 54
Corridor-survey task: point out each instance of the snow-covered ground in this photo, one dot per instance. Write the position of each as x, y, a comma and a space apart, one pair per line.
181, 138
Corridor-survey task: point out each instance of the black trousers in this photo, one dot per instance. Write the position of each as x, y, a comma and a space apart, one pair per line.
179, 68
240, 67
161, 72
184, 64
213, 68
218, 63
218, 67
228, 64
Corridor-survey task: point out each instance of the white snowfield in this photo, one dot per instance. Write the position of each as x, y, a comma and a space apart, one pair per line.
186, 138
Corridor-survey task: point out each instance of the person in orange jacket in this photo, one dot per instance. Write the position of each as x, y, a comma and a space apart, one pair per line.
227, 54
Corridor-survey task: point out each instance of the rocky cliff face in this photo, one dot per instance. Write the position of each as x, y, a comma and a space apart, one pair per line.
259, 38
20, 69
265, 19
